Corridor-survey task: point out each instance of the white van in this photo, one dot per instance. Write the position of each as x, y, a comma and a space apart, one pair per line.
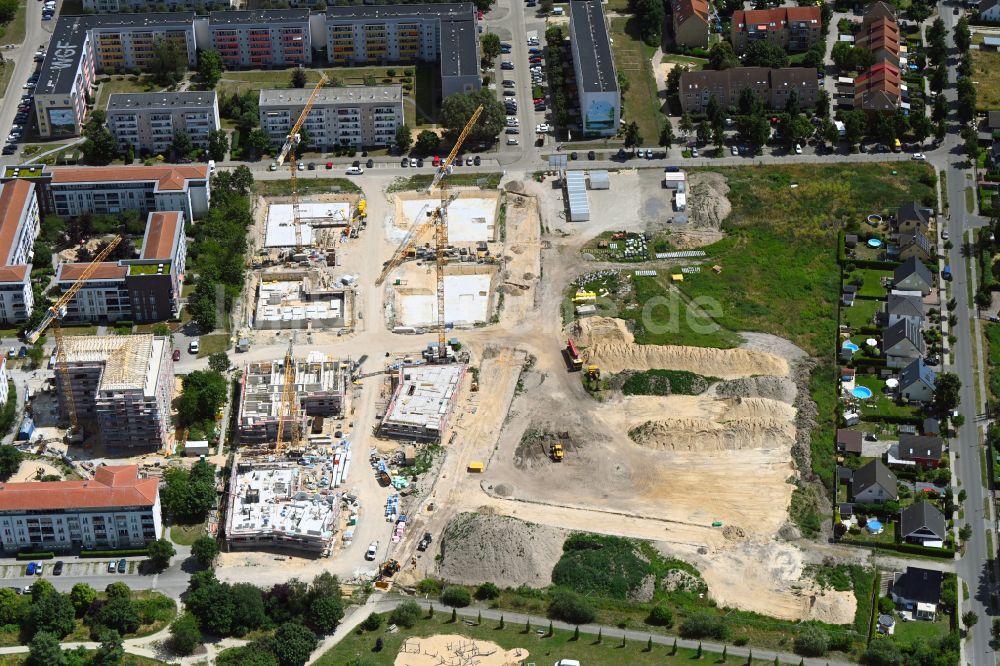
354, 171
211, 166
558, 11
567, 662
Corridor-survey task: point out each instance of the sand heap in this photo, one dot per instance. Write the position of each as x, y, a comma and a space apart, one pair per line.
455, 650
499, 549
608, 343
773, 388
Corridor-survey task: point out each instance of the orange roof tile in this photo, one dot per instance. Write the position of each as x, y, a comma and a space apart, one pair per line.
685, 9
107, 270
13, 273
111, 487
161, 229
167, 177
14, 196
779, 16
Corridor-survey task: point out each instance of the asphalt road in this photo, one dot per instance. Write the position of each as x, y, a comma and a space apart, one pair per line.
36, 33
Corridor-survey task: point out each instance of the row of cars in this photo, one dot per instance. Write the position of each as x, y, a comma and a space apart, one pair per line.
48, 9
38, 568
509, 85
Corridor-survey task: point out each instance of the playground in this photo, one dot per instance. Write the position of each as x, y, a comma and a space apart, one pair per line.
455, 650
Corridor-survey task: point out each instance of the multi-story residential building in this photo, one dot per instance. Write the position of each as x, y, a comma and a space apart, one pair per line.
148, 121
446, 33
261, 38
142, 290
881, 37
775, 86
879, 90
143, 6
83, 45
115, 509
19, 226
121, 386
791, 28
690, 21
596, 80
359, 116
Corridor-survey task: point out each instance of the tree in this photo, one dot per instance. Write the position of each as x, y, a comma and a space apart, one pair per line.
704, 625
160, 552
722, 56
687, 124
815, 56
970, 143
372, 622
456, 596
210, 67
258, 142
457, 109
111, 651
854, 126
946, 393
44, 650
920, 126
718, 138
822, 108
757, 132
182, 144
218, 145
962, 36
218, 362
937, 49
8, 9
883, 653
570, 607
11, 606
99, 146
404, 138
205, 550
235, 183
202, 303
487, 591
405, 614
667, 134
799, 129
325, 613
168, 62
117, 590
660, 616
490, 44
965, 533
120, 615
812, 641
427, 142
829, 132
249, 613
649, 15
633, 139
204, 392
298, 79
51, 612
292, 644
969, 619
10, 460
185, 635
760, 53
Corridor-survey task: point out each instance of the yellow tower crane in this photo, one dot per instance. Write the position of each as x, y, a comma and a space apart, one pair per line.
289, 404
288, 150
53, 317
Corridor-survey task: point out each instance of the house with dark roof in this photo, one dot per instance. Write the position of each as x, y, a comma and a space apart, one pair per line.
989, 10
690, 21
873, 484
594, 69
922, 450
918, 591
915, 245
913, 275
902, 343
774, 86
878, 10
902, 306
993, 120
911, 218
916, 382
849, 441
931, 426
922, 523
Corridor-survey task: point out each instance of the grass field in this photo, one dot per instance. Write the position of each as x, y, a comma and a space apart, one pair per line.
13, 32
185, 535
283, 188
779, 262
860, 314
690, 61
127, 659
486, 181
986, 74
123, 84
6, 72
640, 103
541, 648
872, 281
210, 344
992, 333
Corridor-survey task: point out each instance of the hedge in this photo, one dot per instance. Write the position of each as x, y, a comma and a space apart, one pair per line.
125, 552
901, 420
35, 556
911, 548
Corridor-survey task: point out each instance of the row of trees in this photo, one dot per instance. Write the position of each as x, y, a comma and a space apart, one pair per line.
188, 495
100, 146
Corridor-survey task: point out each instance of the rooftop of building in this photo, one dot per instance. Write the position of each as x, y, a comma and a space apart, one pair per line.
167, 178
15, 197
424, 397
454, 10
749, 77
343, 95
257, 17
459, 48
685, 9
131, 362
274, 499
161, 100
106, 270
593, 46
163, 230
264, 382
111, 487
777, 17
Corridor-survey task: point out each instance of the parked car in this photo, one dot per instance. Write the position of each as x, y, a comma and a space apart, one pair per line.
30, 569
111, 566
436, 161
919, 156
512, 130
694, 152
354, 171
122, 565
543, 128
370, 163
425, 541
477, 161
329, 165
945, 235
404, 163
301, 165
468, 161
58, 568
413, 161
591, 155
734, 151
312, 166
39, 569
506, 64
372, 551
798, 149
194, 347
9, 150
511, 141
420, 161
177, 355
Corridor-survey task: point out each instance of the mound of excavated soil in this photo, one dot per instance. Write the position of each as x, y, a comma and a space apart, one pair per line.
772, 388
709, 202
503, 550
609, 344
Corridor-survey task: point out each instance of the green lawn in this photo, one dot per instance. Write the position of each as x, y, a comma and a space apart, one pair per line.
185, 535
880, 404
79, 330
860, 314
283, 188
127, 659
210, 344
872, 285
640, 103
123, 84
986, 74
676, 321
541, 649
6, 71
13, 32
241, 81
970, 200
910, 632
779, 261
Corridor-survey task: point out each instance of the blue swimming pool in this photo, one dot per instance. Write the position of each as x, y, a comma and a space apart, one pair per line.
874, 242
850, 346
862, 392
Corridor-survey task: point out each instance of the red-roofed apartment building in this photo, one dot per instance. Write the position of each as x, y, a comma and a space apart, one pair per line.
142, 290
690, 20
791, 28
879, 90
115, 509
19, 225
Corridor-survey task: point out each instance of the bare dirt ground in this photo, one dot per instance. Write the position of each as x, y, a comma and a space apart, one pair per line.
454, 649
707, 209
522, 258
33, 470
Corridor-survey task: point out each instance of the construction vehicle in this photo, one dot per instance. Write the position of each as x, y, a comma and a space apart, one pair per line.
574, 360
289, 405
389, 568
556, 452
54, 317
439, 223
288, 150
593, 372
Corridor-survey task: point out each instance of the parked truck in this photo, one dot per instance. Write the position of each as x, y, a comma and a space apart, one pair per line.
573, 358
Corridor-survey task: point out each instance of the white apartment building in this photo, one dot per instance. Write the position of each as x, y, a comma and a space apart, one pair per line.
19, 226
72, 191
359, 116
149, 121
115, 509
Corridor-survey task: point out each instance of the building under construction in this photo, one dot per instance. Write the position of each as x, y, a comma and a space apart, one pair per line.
282, 504
121, 386
422, 401
318, 382
288, 299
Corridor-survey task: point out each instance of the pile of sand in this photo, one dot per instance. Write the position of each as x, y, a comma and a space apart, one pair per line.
772, 388
709, 204
456, 649
502, 550
609, 344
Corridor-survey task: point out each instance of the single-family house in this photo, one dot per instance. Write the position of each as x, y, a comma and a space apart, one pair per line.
913, 275
902, 343
911, 218
873, 483
918, 591
848, 294
849, 441
902, 306
915, 245
993, 120
989, 10
690, 21
923, 450
916, 382
922, 523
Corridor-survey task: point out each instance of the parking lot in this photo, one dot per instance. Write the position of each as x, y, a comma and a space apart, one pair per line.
71, 569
